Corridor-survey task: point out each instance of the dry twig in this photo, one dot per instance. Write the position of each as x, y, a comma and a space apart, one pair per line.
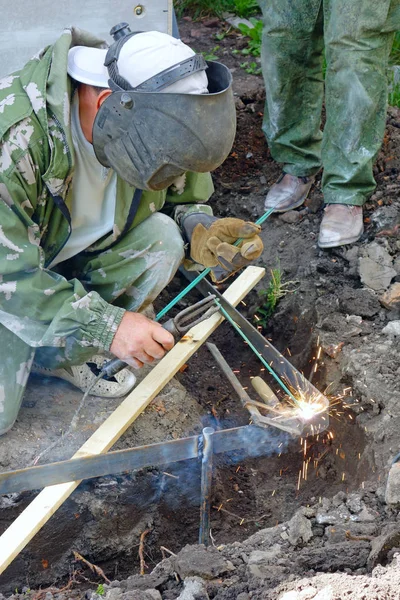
93, 568
164, 550
241, 519
141, 550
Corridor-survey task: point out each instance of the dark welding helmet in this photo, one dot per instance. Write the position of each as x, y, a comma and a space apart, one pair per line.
149, 136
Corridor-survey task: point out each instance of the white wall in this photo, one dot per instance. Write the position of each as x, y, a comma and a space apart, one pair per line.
26, 26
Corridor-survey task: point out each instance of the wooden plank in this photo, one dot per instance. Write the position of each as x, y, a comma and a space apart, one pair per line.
170, 16
39, 511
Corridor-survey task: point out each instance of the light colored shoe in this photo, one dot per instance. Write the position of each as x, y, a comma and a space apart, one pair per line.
82, 376
288, 192
341, 224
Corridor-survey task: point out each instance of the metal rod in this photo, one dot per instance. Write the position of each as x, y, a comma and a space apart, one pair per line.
227, 371
206, 483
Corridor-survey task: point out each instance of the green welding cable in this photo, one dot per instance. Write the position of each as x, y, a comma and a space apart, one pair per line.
193, 283
256, 352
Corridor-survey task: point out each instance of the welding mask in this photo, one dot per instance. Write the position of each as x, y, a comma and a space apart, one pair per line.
150, 136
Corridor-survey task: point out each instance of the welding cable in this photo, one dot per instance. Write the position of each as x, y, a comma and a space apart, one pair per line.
206, 271
256, 352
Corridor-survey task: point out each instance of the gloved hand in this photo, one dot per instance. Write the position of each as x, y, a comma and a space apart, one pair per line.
211, 243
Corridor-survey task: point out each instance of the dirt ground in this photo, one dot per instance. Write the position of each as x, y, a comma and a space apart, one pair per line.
276, 534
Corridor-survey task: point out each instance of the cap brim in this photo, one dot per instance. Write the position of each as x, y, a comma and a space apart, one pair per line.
87, 65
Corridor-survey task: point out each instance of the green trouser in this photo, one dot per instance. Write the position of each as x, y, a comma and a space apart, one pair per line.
130, 275
357, 36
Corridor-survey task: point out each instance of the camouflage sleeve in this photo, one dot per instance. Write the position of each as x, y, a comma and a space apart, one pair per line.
38, 305
190, 193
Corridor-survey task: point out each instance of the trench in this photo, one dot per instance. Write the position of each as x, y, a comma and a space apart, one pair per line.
103, 520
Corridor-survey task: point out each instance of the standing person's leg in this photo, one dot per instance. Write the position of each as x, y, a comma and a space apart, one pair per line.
15, 365
292, 59
358, 39
131, 275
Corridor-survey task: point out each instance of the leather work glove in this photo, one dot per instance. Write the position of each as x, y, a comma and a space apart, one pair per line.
211, 243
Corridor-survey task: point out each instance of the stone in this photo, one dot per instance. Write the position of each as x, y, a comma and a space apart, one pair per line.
264, 571
333, 517
366, 516
264, 557
136, 595
392, 328
291, 217
381, 546
376, 267
392, 492
198, 561
354, 319
154, 594
194, 589
354, 503
114, 593
300, 530
336, 557
365, 300
391, 298
396, 265
338, 499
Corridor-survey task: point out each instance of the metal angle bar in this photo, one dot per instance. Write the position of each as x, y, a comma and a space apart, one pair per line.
132, 459
278, 363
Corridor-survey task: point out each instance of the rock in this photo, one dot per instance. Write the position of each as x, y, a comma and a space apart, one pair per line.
339, 499
376, 267
114, 594
354, 319
154, 594
385, 217
194, 589
260, 562
339, 515
365, 516
354, 503
291, 217
396, 265
198, 561
300, 530
136, 595
391, 298
314, 203
392, 328
366, 302
338, 533
336, 557
270, 572
381, 545
243, 596
392, 492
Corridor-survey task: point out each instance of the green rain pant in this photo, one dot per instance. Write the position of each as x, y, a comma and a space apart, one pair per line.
357, 36
131, 275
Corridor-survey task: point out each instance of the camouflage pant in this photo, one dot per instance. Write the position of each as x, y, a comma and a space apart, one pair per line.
130, 275
357, 36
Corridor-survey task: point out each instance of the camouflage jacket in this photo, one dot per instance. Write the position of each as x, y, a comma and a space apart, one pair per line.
36, 168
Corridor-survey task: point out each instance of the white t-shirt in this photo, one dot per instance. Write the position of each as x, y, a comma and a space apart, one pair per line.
93, 190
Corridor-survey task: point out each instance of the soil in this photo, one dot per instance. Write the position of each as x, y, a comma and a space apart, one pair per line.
275, 532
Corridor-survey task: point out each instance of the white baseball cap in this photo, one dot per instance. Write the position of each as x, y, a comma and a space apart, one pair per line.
142, 56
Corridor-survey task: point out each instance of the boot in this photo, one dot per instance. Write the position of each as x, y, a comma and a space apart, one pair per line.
341, 224
288, 192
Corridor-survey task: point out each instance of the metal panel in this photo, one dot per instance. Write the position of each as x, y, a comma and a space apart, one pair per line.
26, 27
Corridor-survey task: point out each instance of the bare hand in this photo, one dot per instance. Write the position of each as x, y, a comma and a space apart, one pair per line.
139, 340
